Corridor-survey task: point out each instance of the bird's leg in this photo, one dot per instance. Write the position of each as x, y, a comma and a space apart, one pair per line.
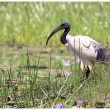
86, 72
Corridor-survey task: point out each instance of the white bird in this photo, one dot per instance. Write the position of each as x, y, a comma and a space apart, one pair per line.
83, 47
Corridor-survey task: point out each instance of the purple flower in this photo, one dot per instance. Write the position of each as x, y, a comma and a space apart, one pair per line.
59, 106
67, 74
79, 102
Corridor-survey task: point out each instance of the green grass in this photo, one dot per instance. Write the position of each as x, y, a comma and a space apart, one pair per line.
43, 88
23, 31
30, 23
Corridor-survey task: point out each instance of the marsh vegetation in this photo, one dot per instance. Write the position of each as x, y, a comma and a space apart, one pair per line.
35, 76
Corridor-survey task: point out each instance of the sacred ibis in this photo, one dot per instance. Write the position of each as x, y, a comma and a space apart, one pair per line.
85, 48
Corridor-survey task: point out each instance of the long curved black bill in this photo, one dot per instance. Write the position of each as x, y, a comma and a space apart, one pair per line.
53, 32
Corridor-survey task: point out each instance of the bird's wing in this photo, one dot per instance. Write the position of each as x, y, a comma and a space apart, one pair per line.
87, 41
83, 41
88, 44
84, 45
89, 48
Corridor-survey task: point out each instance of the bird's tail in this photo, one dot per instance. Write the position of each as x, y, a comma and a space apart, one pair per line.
103, 55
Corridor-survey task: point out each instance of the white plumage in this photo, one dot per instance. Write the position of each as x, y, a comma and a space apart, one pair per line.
85, 48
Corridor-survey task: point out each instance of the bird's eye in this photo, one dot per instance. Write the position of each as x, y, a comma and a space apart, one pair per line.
63, 24
66, 25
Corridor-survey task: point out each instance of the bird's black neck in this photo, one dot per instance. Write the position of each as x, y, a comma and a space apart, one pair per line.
63, 36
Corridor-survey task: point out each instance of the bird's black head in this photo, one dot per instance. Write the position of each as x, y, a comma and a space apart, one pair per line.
64, 25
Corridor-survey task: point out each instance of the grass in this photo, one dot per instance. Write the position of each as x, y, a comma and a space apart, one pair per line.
43, 88
28, 22
24, 29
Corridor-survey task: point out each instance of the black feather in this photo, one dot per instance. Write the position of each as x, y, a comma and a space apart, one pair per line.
103, 56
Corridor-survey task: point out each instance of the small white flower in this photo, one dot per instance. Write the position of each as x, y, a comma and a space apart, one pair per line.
66, 63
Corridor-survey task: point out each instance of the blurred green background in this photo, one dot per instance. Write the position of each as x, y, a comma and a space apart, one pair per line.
30, 23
